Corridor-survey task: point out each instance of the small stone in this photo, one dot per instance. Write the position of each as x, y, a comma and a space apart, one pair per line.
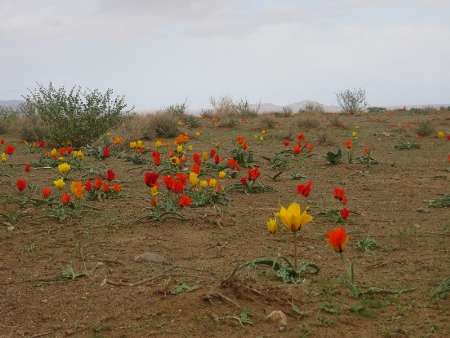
423, 210
151, 257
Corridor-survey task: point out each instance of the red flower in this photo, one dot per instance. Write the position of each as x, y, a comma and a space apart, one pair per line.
21, 184
309, 147
300, 137
244, 180
156, 158
305, 189
98, 183
110, 175
212, 153
217, 159
105, 187
196, 168
2, 141
106, 152
9, 150
181, 177
348, 144
168, 181
233, 164
88, 185
151, 178
253, 173
117, 187
184, 201
337, 238
65, 198
339, 194
297, 149
197, 158
27, 168
345, 213
286, 142
448, 137
41, 144
46, 192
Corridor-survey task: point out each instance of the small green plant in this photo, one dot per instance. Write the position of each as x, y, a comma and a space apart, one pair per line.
69, 273
443, 202
406, 145
334, 158
443, 290
192, 121
366, 244
425, 128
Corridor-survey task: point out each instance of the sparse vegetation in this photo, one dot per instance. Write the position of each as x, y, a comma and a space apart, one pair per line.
308, 123
425, 128
352, 101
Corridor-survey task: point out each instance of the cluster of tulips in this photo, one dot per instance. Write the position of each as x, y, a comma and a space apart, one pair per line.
300, 146
8, 151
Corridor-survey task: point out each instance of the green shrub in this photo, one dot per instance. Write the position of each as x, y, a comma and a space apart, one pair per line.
373, 110
177, 109
163, 125
425, 129
191, 121
74, 116
228, 122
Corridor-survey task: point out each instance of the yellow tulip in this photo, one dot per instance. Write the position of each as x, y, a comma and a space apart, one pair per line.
193, 179
59, 183
354, 134
140, 144
212, 182
180, 148
441, 134
64, 168
205, 156
133, 144
78, 155
222, 174
204, 183
54, 153
190, 147
272, 225
158, 143
293, 217
4, 157
154, 191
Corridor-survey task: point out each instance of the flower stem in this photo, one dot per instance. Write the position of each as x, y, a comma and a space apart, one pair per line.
295, 251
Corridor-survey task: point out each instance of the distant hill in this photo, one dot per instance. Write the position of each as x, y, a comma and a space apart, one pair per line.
296, 106
10, 103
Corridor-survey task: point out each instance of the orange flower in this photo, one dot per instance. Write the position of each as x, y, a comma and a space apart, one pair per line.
242, 142
337, 238
348, 144
181, 139
117, 187
77, 189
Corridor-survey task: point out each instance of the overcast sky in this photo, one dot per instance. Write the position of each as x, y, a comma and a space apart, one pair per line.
161, 52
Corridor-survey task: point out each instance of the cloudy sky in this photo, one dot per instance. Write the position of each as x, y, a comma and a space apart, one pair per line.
280, 51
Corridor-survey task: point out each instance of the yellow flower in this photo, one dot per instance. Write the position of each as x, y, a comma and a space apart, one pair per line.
205, 156
441, 134
77, 188
354, 134
54, 153
158, 143
4, 157
222, 174
212, 182
272, 225
59, 183
193, 179
78, 155
133, 144
139, 144
180, 148
204, 183
154, 191
190, 147
64, 168
293, 218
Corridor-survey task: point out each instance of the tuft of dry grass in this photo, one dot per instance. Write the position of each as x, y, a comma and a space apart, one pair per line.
308, 123
336, 122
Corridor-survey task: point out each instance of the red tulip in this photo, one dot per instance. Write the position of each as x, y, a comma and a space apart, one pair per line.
305, 189
348, 144
117, 187
344, 213
46, 192
105, 187
110, 175
212, 153
196, 168
233, 164
184, 201
156, 158
244, 180
339, 194
253, 173
297, 149
217, 159
27, 168
65, 198
150, 178
21, 184
196, 157
337, 238
300, 137
88, 185
98, 183
286, 142
106, 152
9, 150
2, 141
309, 147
